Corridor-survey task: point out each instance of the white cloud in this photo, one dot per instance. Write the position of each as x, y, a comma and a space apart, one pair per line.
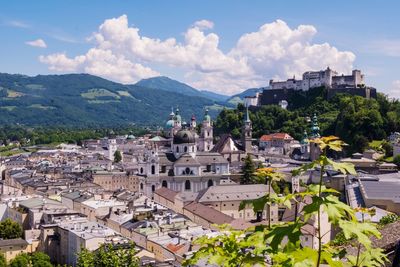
204, 24
275, 50
37, 43
18, 24
395, 90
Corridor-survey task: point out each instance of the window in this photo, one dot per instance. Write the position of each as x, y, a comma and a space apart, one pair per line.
187, 170
153, 169
208, 168
141, 170
187, 185
185, 149
210, 183
164, 184
163, 169
153, 188
177, 149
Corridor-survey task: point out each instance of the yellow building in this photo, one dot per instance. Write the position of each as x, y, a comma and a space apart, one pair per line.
10, 248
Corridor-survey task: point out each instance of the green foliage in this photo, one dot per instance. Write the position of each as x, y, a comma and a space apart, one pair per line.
36, 259
51, 135
387, 148
280, 244
108, 256
354, 119
230, 249
396, 160
21, 260
10, 229
390, 218
3, 262
248, 171
117, 156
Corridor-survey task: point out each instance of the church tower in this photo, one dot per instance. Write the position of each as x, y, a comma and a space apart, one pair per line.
206, 134
247, 132
193, 123
315, 151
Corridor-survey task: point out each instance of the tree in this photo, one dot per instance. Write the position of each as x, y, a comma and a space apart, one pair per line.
396, 160
388, 148
40, 259
3, 262
108, 256
117, 156
248, 171
21, 260
36, 259
280, 244
10, 229
85, 258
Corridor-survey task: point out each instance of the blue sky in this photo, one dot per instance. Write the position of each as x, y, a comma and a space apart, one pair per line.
212, 58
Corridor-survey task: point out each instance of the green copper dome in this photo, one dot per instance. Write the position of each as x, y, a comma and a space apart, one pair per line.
206, 116
169, 124
177, 115
304, 140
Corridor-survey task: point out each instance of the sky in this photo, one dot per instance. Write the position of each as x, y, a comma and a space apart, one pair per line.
222, 46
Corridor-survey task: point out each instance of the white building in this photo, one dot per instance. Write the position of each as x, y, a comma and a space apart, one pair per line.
328, 78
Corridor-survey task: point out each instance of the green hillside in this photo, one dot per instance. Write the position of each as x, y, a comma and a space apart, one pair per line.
355, 119
86, 100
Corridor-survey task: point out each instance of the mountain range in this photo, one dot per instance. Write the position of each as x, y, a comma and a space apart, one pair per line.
86, 100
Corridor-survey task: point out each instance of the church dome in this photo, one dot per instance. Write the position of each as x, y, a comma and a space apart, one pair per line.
184, 137
169, 124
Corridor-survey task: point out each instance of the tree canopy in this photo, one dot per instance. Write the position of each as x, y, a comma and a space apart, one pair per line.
10, 229
356, 120
108, 256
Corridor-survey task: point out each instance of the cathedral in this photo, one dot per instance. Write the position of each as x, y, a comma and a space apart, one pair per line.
188, 163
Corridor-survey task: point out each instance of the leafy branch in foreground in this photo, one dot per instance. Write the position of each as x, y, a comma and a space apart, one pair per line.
282, 244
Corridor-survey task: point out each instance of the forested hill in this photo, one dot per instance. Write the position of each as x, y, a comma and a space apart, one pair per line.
354, 119
84, 100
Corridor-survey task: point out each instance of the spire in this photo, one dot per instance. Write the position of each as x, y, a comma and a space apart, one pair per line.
207, 117
315, 127
177, 115
172, 114
247, 117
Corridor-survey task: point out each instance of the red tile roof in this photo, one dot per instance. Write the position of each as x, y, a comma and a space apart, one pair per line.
276, 136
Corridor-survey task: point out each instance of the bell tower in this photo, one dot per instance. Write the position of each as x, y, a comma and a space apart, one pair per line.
247, 132
206, 135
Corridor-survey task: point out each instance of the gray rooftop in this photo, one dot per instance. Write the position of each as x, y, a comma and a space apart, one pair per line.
13, 242
381, 190
233, 192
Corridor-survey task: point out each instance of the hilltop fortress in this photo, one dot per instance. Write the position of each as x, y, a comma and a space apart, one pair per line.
279, 92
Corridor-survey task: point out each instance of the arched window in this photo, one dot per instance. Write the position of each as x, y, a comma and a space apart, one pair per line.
153, 169
164, 184
187, 170
141, 186
185, 149
187, 185
141, 170
153, 188
210, 183
177, 149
